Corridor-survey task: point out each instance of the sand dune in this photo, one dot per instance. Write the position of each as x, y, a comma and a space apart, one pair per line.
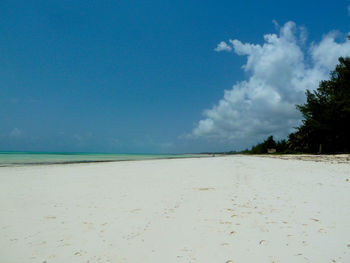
225, 209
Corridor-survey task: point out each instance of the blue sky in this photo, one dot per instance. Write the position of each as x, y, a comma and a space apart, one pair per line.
149, 76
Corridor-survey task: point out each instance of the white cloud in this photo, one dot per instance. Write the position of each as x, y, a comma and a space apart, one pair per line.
275, 23
222, 46
15, 133
279, 72
82, 139
303, 34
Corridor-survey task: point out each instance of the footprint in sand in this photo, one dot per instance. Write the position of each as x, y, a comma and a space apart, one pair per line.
262, 242
50, 217
206, 188
226, 223
322, 231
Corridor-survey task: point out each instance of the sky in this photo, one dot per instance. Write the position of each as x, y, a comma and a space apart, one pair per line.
161, 76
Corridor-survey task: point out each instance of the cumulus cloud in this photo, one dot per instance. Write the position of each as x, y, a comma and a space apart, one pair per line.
279, 71
222, 46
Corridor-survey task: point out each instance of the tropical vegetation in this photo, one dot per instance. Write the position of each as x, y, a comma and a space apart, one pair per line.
325, 126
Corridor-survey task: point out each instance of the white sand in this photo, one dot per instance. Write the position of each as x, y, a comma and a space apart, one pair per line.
226, 209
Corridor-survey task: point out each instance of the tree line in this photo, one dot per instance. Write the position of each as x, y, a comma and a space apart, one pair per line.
325, 126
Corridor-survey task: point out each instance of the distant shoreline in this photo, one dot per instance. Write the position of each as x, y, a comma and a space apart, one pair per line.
142, 157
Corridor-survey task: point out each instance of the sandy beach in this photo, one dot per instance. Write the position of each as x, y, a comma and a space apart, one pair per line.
225, 209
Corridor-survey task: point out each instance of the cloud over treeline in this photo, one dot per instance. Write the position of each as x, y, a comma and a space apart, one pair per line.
279, 72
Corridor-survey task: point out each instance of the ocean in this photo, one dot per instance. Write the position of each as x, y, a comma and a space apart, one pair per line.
37, 158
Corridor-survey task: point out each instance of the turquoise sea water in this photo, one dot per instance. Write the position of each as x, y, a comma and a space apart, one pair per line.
31, 158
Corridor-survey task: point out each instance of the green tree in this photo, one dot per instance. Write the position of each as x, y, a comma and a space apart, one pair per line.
262, 147
281, 146
326, 124
270, 143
